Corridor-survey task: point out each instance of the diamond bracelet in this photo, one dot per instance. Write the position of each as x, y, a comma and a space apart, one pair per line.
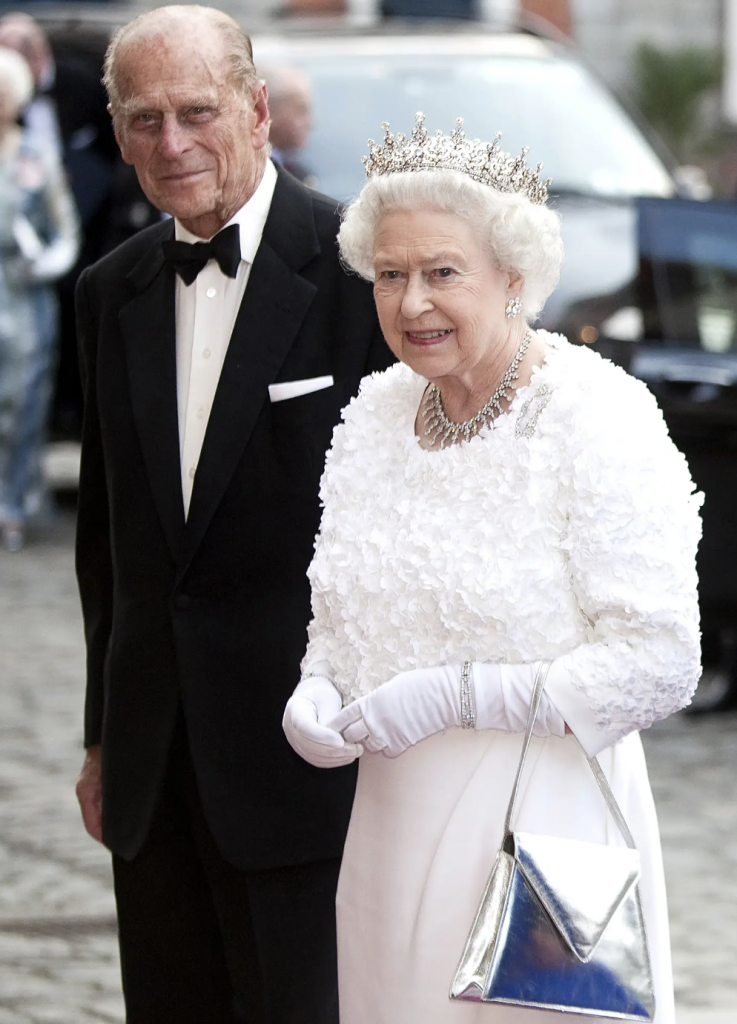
316, 675
468, 704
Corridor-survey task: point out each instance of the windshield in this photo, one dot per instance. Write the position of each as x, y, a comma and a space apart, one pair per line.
586, 141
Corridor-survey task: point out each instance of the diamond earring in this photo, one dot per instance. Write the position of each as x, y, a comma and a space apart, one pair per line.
513, 308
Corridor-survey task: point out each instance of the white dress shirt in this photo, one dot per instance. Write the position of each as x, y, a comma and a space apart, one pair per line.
205, 316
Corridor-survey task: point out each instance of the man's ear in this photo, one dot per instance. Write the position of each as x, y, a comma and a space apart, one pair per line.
262, 118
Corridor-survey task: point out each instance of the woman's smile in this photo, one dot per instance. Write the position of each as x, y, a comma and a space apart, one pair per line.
428, 337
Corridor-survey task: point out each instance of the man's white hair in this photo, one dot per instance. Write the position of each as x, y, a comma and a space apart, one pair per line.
239, 53
520, 236
16, 80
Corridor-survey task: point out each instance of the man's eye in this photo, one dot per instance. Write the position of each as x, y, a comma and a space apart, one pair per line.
145, 118
389, 275
445, 271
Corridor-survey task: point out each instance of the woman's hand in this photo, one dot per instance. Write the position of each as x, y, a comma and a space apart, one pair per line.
415, 705
311, 706
409, 708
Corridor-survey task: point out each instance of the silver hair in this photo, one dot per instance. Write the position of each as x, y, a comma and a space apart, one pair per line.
15, 77
521, 237
237, 45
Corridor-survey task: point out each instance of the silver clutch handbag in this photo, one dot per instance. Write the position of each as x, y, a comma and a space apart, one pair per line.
560, 925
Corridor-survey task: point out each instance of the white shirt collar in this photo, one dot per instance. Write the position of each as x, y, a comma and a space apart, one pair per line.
251, 218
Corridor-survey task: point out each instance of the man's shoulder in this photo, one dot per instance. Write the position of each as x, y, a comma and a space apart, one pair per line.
325, 210
328, 211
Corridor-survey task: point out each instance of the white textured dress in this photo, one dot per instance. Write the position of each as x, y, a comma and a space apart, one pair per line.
567, 532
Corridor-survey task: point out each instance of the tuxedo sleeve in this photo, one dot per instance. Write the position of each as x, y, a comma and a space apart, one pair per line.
93, 554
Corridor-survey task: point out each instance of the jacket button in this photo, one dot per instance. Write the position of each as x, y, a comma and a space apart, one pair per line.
181, 602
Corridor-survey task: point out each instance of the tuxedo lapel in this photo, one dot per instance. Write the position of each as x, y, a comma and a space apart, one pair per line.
275, 303
147, 323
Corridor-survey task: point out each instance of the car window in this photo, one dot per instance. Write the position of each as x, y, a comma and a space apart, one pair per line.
552, 105
688, 273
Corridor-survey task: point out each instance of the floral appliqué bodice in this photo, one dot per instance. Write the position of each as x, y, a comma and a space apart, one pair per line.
567, 530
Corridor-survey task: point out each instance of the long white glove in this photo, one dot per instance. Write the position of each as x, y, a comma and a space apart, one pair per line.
417, 704
314, 702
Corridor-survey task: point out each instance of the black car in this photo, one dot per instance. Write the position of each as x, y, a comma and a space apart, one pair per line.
684, 346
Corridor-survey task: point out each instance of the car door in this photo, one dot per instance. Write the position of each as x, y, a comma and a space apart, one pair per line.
688, 356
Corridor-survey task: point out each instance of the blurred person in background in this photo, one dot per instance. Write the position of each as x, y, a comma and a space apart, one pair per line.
38, 244
290, 106
67, 114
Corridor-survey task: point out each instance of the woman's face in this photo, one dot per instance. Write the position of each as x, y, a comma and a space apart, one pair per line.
439, 296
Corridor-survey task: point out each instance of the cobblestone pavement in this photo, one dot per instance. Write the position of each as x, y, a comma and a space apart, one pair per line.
58, 958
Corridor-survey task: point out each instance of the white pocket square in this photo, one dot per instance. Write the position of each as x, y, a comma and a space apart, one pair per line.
295, 388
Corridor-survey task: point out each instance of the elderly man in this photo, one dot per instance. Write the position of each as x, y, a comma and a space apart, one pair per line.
217, 349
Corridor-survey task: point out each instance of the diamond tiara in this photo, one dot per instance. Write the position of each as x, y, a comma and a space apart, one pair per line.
485, 162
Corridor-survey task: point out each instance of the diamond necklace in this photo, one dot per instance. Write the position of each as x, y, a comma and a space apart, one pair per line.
438, 428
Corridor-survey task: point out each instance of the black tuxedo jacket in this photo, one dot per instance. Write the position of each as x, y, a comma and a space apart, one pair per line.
212, 613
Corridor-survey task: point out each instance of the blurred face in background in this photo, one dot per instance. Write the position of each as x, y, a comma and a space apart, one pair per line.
19, 32
290, 105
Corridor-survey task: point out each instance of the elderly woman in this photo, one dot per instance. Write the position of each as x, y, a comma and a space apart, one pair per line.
498, 497
38, 244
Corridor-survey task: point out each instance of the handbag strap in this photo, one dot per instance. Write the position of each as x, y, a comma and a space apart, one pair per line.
611, 802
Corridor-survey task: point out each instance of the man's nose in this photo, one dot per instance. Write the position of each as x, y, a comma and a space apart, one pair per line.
417, 297
173, 139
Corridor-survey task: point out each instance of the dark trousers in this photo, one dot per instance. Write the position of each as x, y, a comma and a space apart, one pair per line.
202, 942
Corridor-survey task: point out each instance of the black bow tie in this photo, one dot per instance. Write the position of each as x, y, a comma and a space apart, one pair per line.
188, 259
